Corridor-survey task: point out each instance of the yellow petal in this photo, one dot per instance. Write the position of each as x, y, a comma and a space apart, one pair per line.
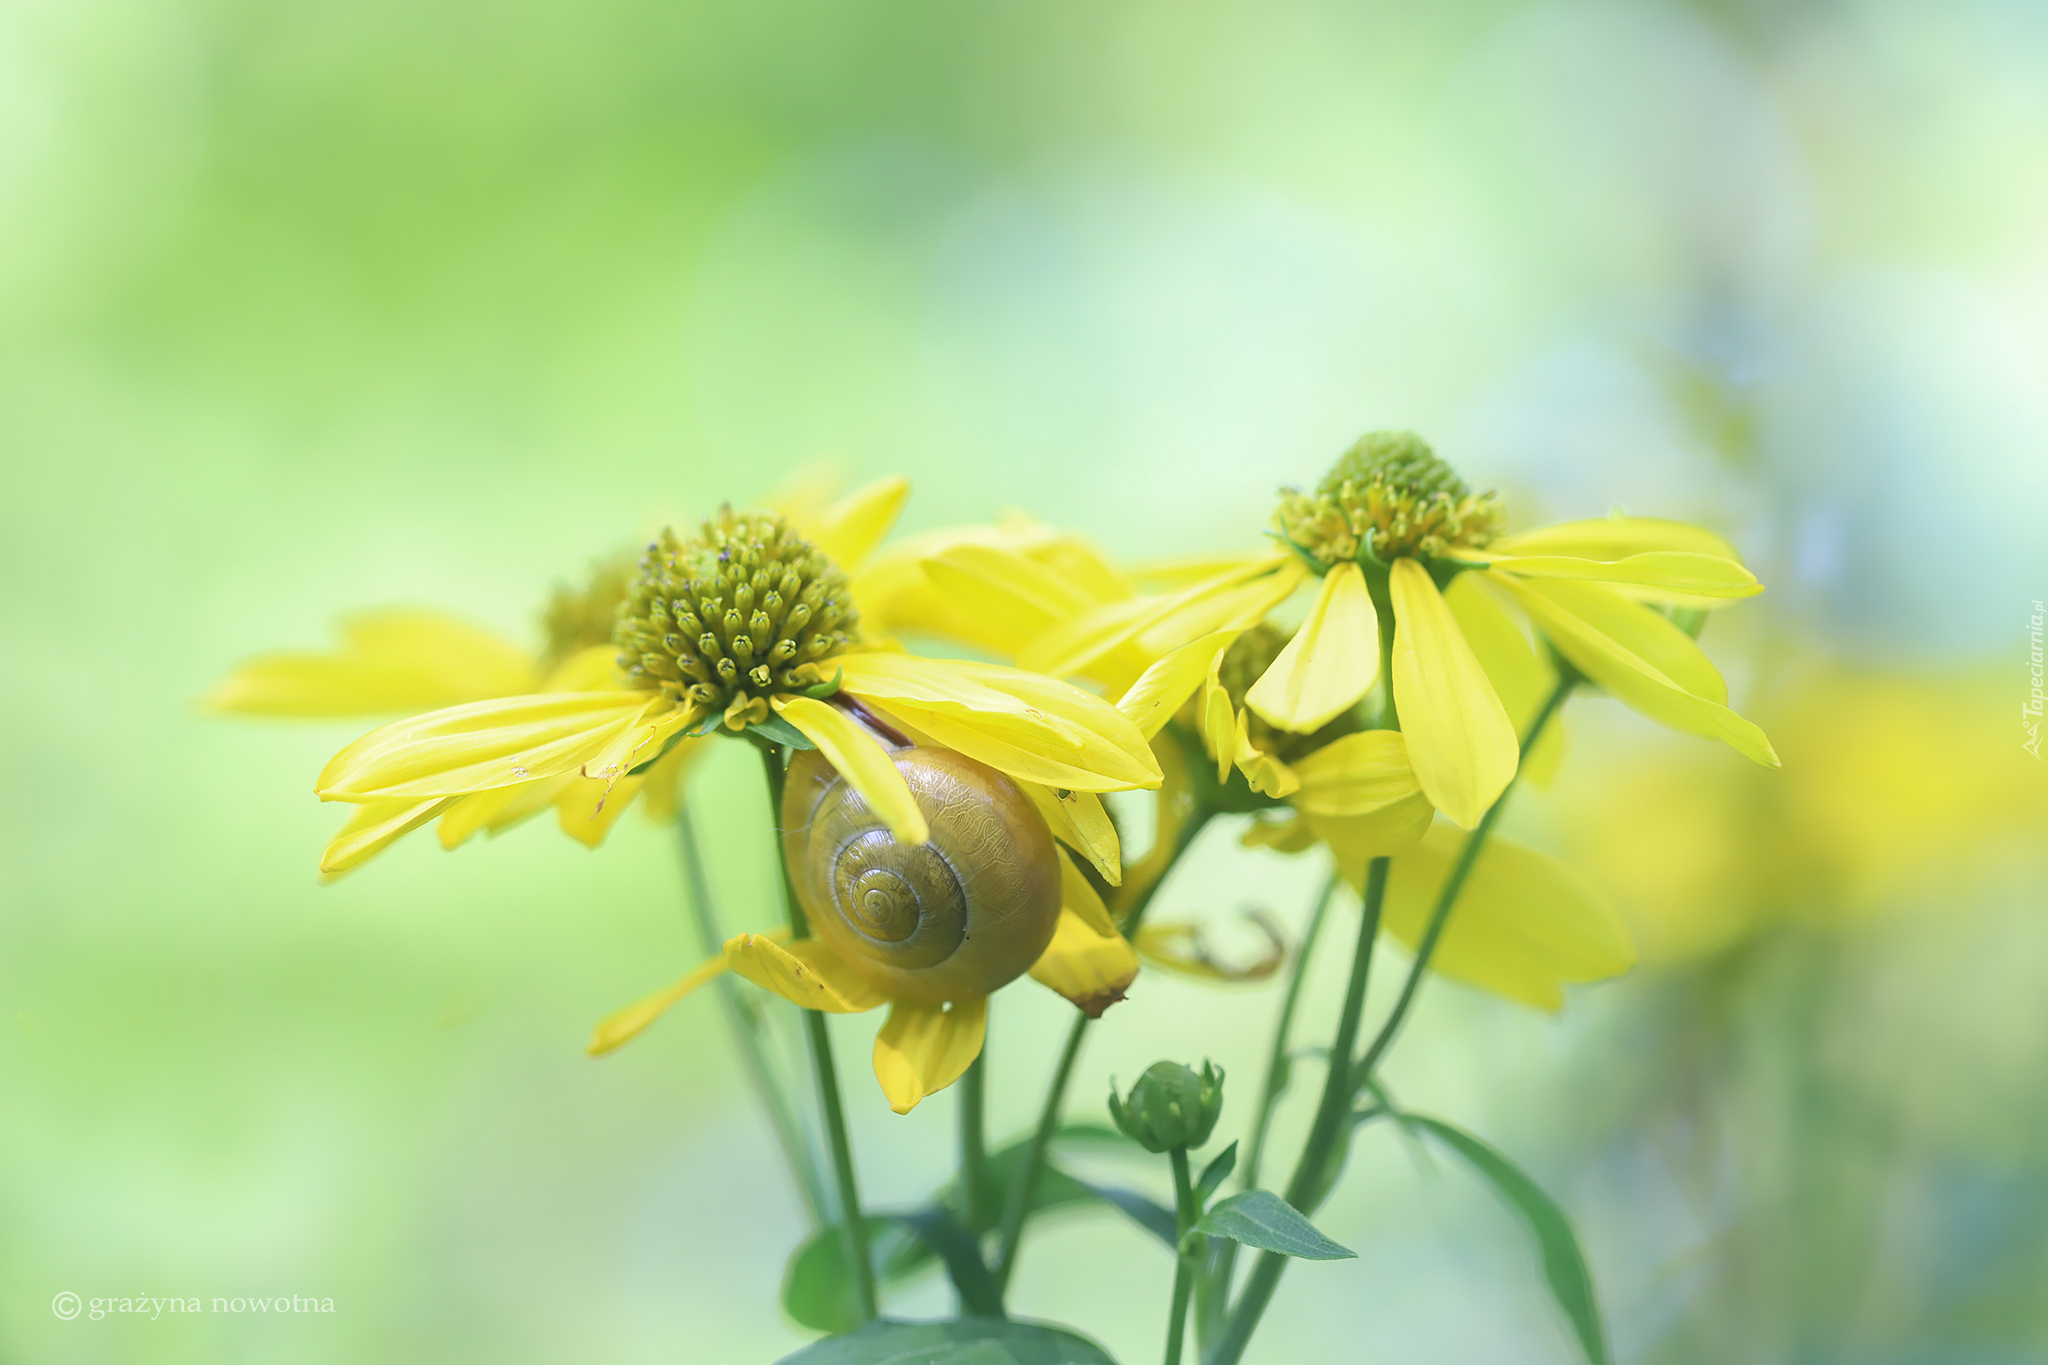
1217, 602
1460, 742
595, 669
1078, 820
1184, 571
1329, 664
372, 827
860, 758
1647, 634
620, 1027
643, 741
1077, 897
1165, 687
1521, 680
484, 744
1356, 839
1657, 574
1088, 969
1034, 728
1265, 774
588, 807
1356, 775
851, 528
1287, 833
1611, 649
1616, 538
1219, 720
990, 580
387, 661
806, 973
1523, 925
498, 809
922, 1049
660, 793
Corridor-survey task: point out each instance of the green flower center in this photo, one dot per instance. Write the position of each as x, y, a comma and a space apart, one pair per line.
739, 612
580, 618
1389, 496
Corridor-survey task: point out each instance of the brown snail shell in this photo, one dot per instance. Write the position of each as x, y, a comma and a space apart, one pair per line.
955, 918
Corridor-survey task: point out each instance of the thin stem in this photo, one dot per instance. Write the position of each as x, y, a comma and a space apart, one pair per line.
1312, 1179
1440, 916
1332, 1121
1213, 1290
853, 1228
1025, 1191
974, 1143
744, 1017
1185, 1260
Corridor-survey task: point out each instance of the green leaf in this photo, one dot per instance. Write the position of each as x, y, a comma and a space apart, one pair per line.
780, 731
1564, 1264
1215, 1173
817, 1291
1262, 1219
961, 1251
962, 1341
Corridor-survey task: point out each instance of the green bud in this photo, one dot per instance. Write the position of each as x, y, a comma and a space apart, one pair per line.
1170, 1106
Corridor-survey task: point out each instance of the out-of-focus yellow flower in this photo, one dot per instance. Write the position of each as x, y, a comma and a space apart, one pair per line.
1902, 788
749, 626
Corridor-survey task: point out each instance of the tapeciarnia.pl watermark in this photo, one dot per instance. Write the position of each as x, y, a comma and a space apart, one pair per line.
2030, 712
68, 1305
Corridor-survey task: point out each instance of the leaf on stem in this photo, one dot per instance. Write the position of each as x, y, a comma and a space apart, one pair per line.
1262, 1219
1215, 1173
1564, 1264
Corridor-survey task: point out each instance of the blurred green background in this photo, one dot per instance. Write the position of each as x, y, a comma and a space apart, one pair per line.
311, 307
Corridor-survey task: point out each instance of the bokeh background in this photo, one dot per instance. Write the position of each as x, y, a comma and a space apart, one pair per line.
306, 307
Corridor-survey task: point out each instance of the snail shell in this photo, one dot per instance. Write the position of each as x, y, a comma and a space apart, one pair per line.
952, 919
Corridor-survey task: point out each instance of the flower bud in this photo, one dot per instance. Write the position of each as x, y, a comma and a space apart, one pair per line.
1170, 1106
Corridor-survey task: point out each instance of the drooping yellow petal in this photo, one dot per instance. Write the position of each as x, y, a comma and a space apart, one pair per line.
643, 741
994, 581
1616, 538
1460, 742
1078, 897
498, 809
660, 793
1523, 924
1658, 574
1078, 820
1613, 657
1329, 664
1182, 946
1237, 608
860, 758
1034, 728
922, 1049
1520, 679
1647, 634
595, 669
1163, 688
483, 744
1265, 774
806, 973
1090, 970
1287, 833
1187, 570
387, 661
620, 1027
372, 827
851, 528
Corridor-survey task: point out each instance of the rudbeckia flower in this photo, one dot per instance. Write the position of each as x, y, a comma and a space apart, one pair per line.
749, 629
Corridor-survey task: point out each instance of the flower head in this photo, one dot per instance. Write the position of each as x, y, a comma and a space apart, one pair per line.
1388, 496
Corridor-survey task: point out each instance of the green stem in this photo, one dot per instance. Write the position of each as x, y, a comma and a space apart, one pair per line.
1312, 1178
743, 1015
974, 1143
1213, 1290
853, 1228
1025, 1191
1332, 1122
1185, 1259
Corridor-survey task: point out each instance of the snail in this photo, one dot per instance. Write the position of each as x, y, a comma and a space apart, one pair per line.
955, 918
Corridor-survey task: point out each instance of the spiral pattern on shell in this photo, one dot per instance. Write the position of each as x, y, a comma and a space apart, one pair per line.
955, 918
